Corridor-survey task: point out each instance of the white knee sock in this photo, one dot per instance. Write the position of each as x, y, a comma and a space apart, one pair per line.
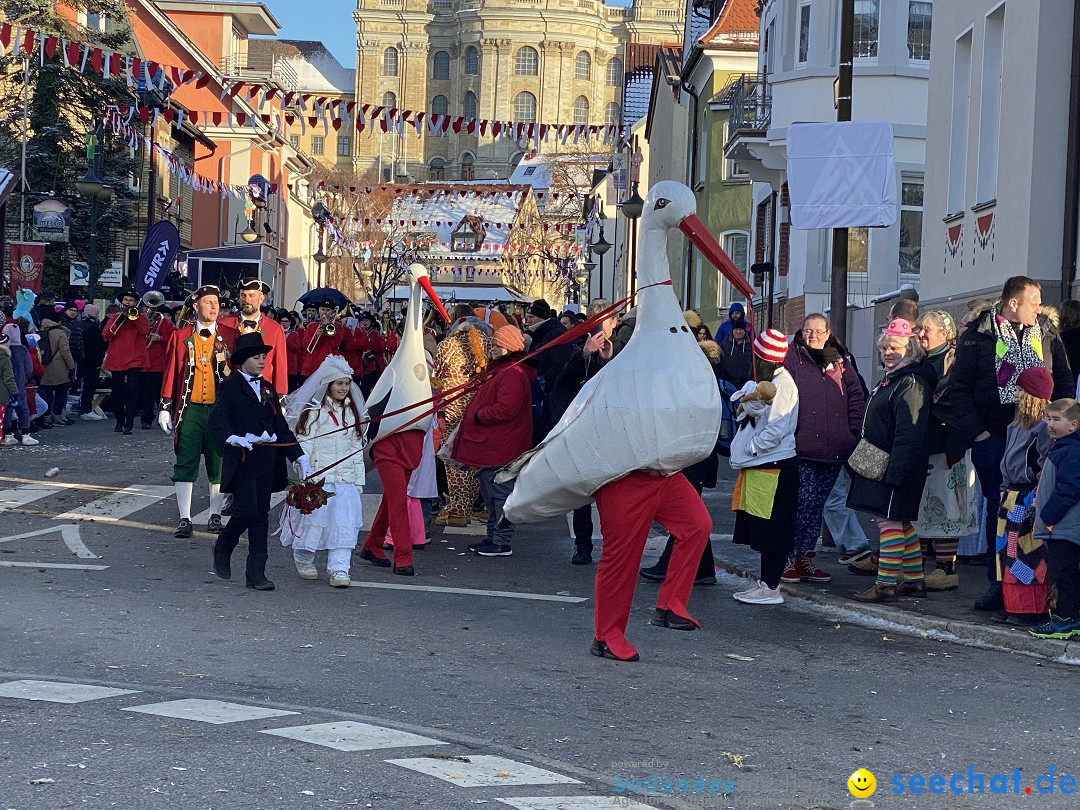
215, 499
183, 498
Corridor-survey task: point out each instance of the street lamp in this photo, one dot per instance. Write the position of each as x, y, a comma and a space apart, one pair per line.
248, 235
633, 205
92, 187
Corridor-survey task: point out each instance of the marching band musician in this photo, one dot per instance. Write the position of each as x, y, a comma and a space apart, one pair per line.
157, 344
196, 364
251, 319
323, 337
126, 333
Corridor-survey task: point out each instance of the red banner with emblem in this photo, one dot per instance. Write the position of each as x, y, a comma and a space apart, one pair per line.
27, 266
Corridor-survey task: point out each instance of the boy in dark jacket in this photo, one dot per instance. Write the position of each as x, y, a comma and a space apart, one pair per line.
1058, 518
247, 420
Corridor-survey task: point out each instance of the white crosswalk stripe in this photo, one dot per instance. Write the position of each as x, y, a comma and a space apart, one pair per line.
216, 712
20, 496
119, 504
58, 692
561, 802
351, 736
484, 771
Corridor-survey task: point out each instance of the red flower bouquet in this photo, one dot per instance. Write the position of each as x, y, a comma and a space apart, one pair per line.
307, 496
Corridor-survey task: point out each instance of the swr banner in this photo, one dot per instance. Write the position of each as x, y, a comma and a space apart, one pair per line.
156, 258
27, 265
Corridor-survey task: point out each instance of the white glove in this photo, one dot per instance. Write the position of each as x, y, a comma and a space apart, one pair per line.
164, 421
251, 438
305, 467
268, 438
239, 441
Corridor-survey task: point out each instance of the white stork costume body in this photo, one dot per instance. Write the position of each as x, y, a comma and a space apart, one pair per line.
653, 410
397, 441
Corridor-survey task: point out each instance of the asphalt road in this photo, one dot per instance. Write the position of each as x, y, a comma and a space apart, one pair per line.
775, 705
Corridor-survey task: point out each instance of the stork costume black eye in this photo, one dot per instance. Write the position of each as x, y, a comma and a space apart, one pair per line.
660, 204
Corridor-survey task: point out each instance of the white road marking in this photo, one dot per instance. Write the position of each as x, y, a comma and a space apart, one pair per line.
58, 692
483, 771
119, 504
207, 711
65, 566
562, 802
538, 597
69, 533
351, 736
474, 528
203, 516
20, 496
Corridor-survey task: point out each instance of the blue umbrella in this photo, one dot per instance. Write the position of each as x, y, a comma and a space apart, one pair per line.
313, 297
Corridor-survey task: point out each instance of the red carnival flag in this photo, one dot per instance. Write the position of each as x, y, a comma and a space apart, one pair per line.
27, 265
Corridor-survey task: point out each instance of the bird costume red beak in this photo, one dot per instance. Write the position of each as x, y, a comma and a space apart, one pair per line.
425, 283
697, 233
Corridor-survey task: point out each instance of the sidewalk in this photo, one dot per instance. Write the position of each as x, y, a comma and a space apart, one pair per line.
944, 615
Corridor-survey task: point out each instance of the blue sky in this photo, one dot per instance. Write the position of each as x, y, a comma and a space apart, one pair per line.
326, 21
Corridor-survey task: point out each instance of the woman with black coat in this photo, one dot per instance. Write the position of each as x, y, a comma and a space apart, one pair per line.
896, 421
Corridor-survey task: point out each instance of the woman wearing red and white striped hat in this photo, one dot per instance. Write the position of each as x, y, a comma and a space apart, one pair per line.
763, 451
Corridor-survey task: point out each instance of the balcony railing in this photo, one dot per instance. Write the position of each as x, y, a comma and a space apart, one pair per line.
750, 100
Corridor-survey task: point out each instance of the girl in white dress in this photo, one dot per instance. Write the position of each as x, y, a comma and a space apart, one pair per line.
325, 404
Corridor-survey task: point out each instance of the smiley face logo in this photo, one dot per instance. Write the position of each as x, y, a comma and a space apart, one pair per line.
862, 784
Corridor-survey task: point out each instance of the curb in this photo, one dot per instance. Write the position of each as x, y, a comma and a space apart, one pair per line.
968, 634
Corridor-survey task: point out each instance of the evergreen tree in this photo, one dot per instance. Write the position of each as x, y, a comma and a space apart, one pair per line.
62, 104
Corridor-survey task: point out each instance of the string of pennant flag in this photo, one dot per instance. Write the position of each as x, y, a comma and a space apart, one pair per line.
307, 109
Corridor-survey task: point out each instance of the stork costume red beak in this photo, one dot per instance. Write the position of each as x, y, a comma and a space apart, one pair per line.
697, 233
425, 283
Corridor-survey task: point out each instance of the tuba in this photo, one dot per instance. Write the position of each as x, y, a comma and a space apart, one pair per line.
152, 299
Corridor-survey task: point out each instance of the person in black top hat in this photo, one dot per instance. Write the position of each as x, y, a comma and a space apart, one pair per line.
248, 421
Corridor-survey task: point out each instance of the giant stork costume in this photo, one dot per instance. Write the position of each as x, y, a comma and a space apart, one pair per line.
653, 410
397, 440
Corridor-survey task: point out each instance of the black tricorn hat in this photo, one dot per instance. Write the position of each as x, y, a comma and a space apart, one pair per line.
255, 284
247, 346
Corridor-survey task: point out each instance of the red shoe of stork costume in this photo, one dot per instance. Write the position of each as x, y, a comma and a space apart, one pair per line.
653, 410
397, 441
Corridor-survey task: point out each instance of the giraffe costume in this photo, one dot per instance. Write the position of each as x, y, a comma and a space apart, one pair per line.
460, 359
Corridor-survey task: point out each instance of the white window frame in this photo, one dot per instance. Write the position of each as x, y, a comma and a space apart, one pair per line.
804, 7
911, 180
526, 66
585, 74
579, 120
725, 290
871, 57
520, 118
729, 172
387, 69
613, 70
609, 108
465, 111
911, 4
317, 145
445, 105
435, 66
346, 141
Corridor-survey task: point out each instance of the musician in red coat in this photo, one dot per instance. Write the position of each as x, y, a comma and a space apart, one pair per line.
252, 293
294, 346
357, 347
318, 343
126, 358
157, 344
370, 366
195, 364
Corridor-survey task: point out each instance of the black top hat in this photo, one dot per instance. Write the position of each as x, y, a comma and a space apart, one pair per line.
127, 292
255, 284
326, 302
367, 316
205, 289
247, 346
540, 308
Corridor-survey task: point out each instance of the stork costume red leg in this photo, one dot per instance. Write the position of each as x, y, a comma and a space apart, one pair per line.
395, 458
627, 510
